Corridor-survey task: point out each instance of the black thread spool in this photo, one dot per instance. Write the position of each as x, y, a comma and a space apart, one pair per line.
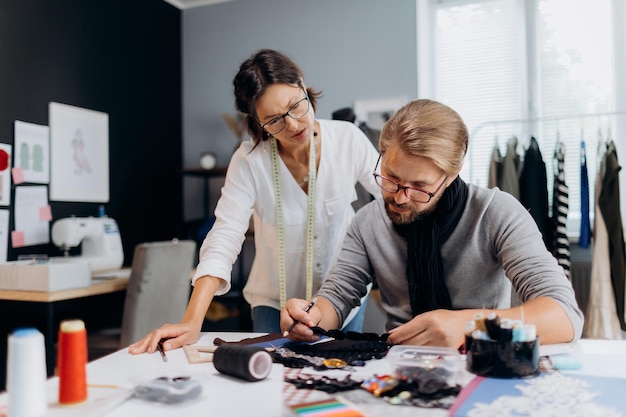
251, 363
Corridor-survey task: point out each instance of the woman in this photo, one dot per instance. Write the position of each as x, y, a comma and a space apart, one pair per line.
296, 179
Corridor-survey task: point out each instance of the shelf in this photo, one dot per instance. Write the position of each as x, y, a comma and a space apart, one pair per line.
205, 173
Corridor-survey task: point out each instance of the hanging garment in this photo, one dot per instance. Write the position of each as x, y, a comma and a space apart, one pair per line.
585, 225
560, 207
509, 180
533, 185
601, 320
610, 207
495, 168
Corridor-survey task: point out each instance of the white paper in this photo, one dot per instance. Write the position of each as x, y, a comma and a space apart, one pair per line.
4, 235
5, 174
79, 154
29, 200
32, 151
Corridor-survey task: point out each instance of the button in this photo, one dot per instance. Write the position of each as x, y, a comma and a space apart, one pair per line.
334, 363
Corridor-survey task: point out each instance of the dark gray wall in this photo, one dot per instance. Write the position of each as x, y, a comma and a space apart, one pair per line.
349, 49
116, 56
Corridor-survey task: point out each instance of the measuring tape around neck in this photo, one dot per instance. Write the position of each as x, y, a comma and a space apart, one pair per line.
280, 226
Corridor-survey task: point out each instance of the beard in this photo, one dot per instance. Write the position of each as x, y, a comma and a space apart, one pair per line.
411, 216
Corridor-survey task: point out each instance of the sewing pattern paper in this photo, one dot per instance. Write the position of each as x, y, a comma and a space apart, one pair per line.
79, 149
31, 216
32, 152
4, 235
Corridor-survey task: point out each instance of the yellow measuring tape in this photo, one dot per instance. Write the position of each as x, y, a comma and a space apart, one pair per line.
280, 226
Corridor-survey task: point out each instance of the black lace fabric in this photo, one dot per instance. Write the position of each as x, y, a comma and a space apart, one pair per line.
351, 347
425, 388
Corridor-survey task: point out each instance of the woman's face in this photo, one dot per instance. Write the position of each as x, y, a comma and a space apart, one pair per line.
289, 104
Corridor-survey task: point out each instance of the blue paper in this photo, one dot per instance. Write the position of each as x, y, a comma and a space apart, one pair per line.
550, 393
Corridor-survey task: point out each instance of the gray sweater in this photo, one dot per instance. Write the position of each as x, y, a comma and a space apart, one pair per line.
496, 244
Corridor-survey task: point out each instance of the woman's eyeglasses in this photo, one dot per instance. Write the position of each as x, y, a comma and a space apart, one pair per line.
297, 111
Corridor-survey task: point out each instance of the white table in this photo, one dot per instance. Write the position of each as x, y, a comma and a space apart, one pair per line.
111, 377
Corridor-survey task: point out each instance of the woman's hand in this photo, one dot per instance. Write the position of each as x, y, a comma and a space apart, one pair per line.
187, 331
174, 336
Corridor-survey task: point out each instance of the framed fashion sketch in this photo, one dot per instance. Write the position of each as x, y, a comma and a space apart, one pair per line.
376, 112
32, 152
79, 154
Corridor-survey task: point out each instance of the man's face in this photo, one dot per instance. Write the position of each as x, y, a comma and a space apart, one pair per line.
415, 172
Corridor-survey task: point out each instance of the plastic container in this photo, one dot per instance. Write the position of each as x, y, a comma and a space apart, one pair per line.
500, 359
419, 362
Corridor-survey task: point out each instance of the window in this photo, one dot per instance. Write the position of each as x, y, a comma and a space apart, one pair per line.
527, 68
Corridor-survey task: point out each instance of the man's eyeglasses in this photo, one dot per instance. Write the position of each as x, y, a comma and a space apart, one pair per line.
297, 111
412, 193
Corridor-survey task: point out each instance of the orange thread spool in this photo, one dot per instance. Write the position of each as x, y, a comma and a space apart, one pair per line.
72, 362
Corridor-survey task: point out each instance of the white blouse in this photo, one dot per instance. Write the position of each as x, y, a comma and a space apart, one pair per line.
347, 157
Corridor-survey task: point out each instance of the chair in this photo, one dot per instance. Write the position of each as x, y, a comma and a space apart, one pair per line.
158, 292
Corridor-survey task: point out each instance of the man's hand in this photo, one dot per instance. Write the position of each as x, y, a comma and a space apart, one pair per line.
433, 328
294, 311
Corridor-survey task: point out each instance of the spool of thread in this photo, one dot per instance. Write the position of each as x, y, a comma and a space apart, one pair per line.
524, 333
530, 331
492, 323
480, 335
26, 373
479, 320
251, 363
72, 362
566, 362
506, 330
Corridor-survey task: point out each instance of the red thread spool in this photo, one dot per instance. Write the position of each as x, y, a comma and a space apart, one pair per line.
72, 362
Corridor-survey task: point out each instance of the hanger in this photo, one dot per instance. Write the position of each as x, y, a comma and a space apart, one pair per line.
609, 138
559, 149
560, 146
601, 142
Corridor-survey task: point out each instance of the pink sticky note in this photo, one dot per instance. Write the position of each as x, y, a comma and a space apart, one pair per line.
18, 175
17, 237
45, 214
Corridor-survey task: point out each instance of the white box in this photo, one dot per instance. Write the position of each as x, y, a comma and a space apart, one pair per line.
49, 276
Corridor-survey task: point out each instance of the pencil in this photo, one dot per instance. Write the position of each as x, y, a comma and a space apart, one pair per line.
161, 350
295, 322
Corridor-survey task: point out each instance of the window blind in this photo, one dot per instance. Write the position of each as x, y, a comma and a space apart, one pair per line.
495, 60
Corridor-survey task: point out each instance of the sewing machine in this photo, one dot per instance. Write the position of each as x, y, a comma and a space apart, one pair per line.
100, 239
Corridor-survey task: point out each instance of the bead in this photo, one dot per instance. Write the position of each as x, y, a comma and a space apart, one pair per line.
405, 395
395, 400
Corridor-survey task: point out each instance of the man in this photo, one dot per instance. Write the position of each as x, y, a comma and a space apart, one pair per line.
439, 249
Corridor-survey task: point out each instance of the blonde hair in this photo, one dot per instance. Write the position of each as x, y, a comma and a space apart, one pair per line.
429, 129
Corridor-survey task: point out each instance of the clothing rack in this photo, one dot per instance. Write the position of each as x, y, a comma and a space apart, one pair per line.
536, 120
590, 299
543, 119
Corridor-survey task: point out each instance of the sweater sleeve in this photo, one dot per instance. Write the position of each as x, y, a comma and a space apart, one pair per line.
532, 269
347, 281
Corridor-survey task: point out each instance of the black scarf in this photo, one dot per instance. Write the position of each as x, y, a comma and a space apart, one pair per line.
424, 270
